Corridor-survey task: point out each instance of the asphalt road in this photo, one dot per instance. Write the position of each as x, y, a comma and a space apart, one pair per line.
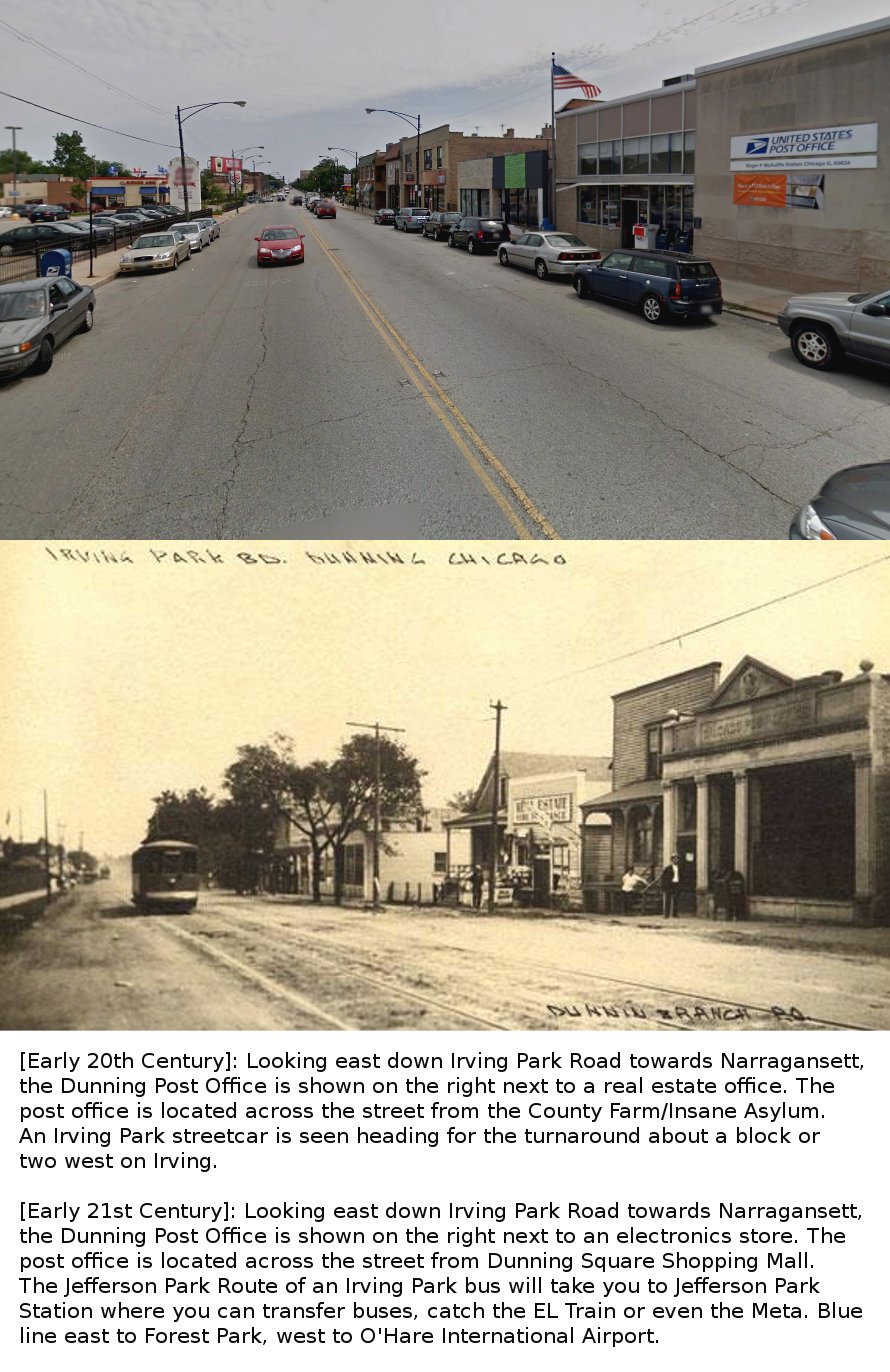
393, 387
91, 962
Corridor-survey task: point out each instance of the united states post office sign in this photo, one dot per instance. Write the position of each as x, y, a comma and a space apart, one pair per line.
838, 147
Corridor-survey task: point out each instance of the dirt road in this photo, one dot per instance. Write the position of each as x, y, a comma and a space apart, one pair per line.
91, 962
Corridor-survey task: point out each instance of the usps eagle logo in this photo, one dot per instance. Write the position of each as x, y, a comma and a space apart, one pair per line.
756, 147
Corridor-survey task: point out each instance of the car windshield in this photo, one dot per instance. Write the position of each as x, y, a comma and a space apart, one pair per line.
280, 234
22, 304
155, 240
696, 271
187, 228
565, 240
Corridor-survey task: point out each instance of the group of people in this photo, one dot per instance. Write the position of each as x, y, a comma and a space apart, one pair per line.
729, 889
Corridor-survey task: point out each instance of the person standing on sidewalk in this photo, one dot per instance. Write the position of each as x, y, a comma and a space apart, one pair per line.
670, 887
476, 882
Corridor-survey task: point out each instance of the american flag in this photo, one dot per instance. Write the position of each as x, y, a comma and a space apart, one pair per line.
564, 80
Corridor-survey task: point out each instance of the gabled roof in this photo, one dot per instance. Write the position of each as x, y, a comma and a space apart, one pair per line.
751, 678
517, 765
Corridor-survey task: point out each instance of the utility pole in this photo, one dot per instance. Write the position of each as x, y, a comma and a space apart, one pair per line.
14, 129
46, 870
60, 836
387, 729
495, 806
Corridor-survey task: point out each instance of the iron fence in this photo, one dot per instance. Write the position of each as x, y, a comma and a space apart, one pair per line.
23, 263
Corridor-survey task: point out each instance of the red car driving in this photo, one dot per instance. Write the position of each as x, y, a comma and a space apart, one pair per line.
279, 243
326, 209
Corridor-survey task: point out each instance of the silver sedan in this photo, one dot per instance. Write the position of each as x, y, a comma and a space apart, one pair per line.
547, 254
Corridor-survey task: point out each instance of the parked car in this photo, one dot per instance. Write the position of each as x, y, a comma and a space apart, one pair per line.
854, 503
156, 252
830, 325
325, 209
134, 216
548, 254
478, 235
26, 237
78, 232
658, 284
195, 231
410, 219
384, 216
36, 317
46, 213
440, 224
5, 212
212, 225
279, 243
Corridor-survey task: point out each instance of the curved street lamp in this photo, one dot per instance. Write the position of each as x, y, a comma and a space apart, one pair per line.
354, 155
409, 119
180, 120
258, 147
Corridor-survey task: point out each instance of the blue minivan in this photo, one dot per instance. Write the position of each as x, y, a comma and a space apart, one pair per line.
658, 284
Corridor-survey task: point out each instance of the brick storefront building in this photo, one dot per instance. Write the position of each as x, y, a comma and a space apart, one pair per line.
442, 150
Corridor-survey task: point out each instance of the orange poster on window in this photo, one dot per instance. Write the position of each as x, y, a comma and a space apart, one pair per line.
759, 189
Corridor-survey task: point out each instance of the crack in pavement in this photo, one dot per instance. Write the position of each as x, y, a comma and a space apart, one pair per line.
229, 483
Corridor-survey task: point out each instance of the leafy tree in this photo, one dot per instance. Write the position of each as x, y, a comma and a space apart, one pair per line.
71, 157
353, 783
462, 801
211, 192
78, 190
24, 162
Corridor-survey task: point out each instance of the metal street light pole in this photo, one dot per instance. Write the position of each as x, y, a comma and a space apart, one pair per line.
354, 155
180, 120
14, 129
260, 147
410, 119
495, 807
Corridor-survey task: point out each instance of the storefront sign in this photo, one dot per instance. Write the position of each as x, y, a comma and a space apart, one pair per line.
534, 809
759, 190
841, 148
844, 142
221, 166
187, 175
765, 719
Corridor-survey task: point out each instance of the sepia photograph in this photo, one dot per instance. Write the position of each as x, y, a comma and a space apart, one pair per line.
634, 786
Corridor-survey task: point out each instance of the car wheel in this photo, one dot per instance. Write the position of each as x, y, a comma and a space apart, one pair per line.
652, 308
503, 258
451, 242
87, 324
471, 246
541, 271
44, 357
815, 346
175, 263
580, 288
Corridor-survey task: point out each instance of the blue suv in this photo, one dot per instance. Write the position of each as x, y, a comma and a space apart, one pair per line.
657, 284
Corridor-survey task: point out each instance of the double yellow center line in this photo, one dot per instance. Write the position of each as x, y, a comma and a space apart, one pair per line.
498, 481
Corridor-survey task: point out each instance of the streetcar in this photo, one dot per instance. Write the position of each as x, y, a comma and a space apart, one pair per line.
165, 875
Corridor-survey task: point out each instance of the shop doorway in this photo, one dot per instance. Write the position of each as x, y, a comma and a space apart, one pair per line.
633, 211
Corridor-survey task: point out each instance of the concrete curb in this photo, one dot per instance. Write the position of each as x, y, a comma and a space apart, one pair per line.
750, 312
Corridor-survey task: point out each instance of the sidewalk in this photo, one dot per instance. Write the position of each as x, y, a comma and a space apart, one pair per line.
758, 302
106, 264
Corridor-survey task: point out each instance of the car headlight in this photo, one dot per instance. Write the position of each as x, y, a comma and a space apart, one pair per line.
126, 257
811, 526
163, 256
265, 252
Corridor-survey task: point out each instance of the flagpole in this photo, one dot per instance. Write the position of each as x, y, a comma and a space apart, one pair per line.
552, 214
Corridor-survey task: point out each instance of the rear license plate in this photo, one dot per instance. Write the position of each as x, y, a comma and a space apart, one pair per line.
707, 309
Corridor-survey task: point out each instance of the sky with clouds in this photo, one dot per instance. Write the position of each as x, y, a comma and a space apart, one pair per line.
307, 72
122, 679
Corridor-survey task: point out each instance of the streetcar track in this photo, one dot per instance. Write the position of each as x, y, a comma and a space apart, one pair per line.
544, 967
277, 988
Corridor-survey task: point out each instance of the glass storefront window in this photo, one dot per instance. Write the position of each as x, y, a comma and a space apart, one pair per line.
636, 156
587, 159
476, 203
610, 159
667, 152
689, 157
599, 205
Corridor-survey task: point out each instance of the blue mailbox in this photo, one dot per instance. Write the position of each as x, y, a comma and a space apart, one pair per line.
56, 262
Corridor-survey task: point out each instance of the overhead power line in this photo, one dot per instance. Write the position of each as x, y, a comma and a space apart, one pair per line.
109, 85
88, 123
714, 623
